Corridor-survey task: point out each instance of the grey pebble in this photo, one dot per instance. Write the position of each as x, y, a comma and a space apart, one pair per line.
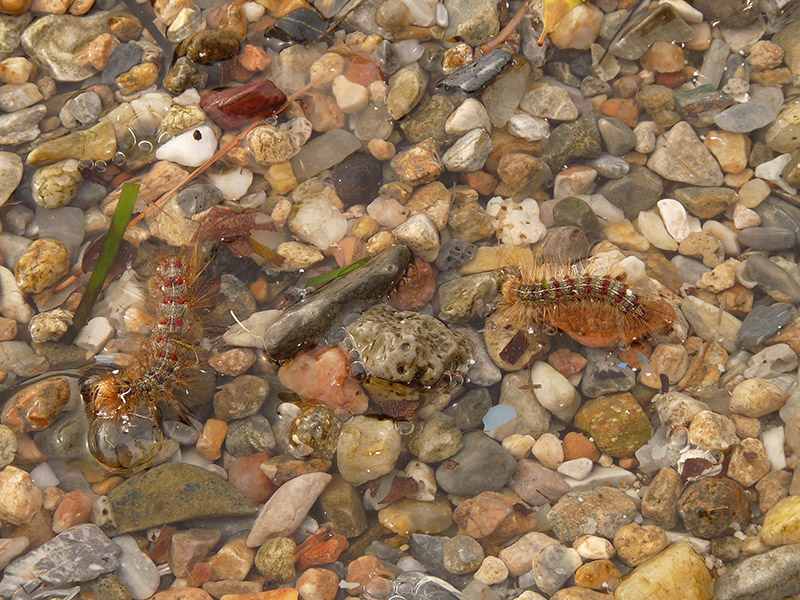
772, 277
602, 376
618, 138
85, 107
122, 59
769, 576
481, 465
762, 322
472, 78
768, 238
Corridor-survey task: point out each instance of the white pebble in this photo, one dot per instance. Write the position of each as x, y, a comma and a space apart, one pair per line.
650, 225
421, 235
43, 476
95, 335
772, 170
593, 547
606, 211
578, 468
191, 148
469, 115
675, 218
686, 11
351, 97
726, 236
253, 11
517, 224
554, 391
744, 217
234, 183
773, 440
136, 570
12, 301
388, 212
528, 127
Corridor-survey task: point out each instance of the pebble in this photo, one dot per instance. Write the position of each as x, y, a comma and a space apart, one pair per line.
492, 571
470, 115
480, 465
469, 152
190, 148
656, 577
42, 265
714, 507
82, 553
671, 164
771, 576
617, 424
168, 493
600, 511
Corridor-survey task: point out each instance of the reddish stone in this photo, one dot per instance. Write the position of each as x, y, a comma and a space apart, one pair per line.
567, 362
200, 574
363, 69
75, 508
671, 80
246, 476
235, 107
37, 406
322, 548
624, 110
254, 58
481, 182
362, 569
416, 289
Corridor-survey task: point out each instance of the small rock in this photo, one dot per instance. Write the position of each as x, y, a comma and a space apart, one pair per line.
617, 424
656, 578
42, 265
601, 511
714, 507
481, 465
768, 576
549, 102
671, 163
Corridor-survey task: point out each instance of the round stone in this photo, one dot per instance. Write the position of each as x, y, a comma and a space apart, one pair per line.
712, 508
357, 179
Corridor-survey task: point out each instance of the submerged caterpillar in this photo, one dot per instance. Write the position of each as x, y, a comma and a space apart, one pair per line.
593, 305
125, 431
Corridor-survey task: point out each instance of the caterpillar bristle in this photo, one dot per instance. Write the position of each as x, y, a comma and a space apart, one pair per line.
594, 304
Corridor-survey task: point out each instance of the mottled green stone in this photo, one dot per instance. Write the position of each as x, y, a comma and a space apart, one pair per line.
617, 423
174, 492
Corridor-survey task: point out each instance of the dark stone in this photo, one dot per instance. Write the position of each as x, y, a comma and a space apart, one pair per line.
575, 212
122, 59
469, 409
762, 322
481, 465
184, 74
603, 376
777, 213
566, 243
301, 26
710, 507
639, 190
357, 179
428, 120
472, 78
454, 254
568, 141
198, 197
210, 45
561, 71
732, 13
235, 107
773, 278
173, 492
340, 504
304, 322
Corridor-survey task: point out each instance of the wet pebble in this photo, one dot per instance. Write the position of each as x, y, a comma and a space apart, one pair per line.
714, 507
480, 465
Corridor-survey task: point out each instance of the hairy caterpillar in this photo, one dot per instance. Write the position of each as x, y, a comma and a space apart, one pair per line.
125, 432
595, 305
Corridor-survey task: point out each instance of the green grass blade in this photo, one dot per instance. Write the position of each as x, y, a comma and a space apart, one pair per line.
119, 222
336, 273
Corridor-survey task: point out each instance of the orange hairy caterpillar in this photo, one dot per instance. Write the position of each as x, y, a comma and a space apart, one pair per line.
125, 433
595, 308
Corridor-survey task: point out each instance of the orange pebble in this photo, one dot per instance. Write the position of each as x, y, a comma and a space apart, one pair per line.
254, 58
209, 445
622, 109
481, 182
260, 290
577, 445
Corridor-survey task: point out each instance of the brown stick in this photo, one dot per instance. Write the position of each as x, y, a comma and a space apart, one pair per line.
507, 30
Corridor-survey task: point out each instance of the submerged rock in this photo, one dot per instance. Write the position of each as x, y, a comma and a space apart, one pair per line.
300, 325
406, 346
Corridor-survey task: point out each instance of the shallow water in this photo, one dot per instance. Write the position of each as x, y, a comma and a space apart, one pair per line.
408, 306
